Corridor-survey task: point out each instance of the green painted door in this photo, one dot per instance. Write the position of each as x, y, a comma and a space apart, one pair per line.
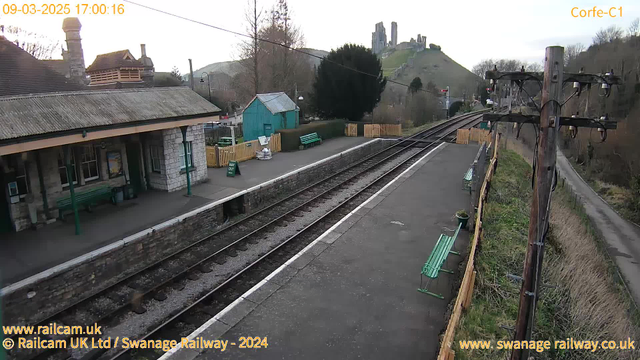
5, 218
133, 160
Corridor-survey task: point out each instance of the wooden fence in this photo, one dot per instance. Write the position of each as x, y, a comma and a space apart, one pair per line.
220, 156
378, 130
465, 293
464, 136
351, 130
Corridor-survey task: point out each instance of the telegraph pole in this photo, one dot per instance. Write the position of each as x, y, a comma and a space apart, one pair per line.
540, 208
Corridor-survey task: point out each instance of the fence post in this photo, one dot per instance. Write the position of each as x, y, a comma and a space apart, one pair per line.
217, 155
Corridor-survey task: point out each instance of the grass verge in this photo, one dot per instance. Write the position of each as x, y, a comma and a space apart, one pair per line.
614, 195
413, 130
585, 300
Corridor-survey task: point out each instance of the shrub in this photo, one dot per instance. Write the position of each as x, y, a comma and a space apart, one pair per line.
325, 129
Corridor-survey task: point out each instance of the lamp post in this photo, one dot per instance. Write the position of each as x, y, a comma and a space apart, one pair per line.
208, 83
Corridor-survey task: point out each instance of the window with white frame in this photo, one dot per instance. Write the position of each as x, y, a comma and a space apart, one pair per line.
156, 158
62, 169
89, 163
189, 155
21, 177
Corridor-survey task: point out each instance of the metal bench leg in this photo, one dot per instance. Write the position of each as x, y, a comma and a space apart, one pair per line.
447, 271
454, 252
425, 291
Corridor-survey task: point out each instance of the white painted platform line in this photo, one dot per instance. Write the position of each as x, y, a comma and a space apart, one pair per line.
141, 234
204, 326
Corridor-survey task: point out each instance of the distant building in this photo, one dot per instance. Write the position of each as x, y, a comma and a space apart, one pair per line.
121, 69
267, 113
118, 69
378, 39
394, 34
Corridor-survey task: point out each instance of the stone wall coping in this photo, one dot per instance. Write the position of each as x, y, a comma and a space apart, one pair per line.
127, 241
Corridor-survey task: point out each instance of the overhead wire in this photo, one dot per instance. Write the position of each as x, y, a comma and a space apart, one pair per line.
271, 42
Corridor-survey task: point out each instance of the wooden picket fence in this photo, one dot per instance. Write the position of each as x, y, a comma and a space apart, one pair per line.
464, 136
220, 156
351, 130
465, 293
378, 130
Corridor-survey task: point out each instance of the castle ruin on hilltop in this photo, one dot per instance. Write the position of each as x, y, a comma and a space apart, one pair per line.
379, 40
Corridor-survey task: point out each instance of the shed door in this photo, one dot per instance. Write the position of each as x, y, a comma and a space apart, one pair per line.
267, 130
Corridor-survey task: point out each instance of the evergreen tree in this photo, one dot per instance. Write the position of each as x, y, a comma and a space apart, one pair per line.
415, 86
341, 92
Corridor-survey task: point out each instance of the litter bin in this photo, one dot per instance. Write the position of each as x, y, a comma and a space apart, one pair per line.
118, 195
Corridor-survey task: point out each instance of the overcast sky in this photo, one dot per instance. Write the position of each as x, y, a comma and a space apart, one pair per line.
468, 31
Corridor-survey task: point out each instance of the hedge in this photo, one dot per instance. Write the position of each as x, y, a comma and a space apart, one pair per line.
326, 130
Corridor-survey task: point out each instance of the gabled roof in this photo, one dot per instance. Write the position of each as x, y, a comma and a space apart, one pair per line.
277, 102
21, 73
59, 66
31, 115
114, 60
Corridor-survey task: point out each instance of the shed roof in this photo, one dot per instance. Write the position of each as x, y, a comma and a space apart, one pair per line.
114, 60
30, 115
276, 102
21, 73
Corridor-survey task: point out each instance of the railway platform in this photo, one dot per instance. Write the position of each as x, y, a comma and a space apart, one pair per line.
28, 252
352, 293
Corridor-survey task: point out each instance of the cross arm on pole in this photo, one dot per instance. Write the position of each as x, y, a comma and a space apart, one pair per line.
582, 78
564, 120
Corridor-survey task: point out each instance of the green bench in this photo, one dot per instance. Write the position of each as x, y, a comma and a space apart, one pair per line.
466, 181
309, 139
436, 260
84, 199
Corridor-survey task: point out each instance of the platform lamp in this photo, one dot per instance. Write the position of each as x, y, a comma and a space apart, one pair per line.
208, 83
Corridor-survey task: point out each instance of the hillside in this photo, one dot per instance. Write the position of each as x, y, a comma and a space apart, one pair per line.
233, 67
434, 66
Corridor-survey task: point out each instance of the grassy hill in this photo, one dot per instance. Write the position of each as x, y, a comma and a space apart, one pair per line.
434, 66
233, 67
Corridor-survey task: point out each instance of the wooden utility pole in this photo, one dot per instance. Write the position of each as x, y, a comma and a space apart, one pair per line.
540, 208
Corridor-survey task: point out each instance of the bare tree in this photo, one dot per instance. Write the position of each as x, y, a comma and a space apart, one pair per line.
482, 67
608, 35
571, 53
533, 67
39, 46
250, 49
634, 28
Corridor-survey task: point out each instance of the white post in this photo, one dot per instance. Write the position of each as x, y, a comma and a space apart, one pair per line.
233, 135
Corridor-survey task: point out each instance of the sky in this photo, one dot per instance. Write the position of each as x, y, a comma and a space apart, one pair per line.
467, 31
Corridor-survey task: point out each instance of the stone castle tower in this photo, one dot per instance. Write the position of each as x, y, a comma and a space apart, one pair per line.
74, 56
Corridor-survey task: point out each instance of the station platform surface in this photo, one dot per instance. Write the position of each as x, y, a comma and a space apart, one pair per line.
29, 252
352, 293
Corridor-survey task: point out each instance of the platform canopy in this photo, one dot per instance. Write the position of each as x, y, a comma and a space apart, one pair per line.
35, 121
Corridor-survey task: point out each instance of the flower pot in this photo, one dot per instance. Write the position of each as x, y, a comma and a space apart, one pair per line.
463, 220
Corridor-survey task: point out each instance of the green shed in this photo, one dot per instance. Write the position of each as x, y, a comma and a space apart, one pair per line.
267, 113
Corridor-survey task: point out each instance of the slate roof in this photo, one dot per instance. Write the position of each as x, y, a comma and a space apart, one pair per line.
30, 115
113, 60
276, 102
21, 73
59, 66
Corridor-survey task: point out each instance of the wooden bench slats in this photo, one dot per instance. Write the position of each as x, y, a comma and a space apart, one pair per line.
84, 198
437, 258
466, 181
310, 139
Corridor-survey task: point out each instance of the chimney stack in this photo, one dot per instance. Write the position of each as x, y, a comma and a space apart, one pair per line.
143, 50
74, 55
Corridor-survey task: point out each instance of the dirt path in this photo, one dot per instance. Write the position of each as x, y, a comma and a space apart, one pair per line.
622, 236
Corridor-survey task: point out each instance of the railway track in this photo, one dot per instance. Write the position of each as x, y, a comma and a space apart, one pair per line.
128, 300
